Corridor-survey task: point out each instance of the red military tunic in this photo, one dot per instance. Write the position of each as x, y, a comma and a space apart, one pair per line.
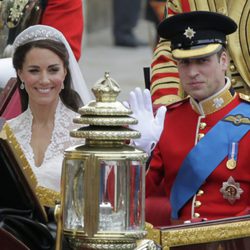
66, 16
184, 126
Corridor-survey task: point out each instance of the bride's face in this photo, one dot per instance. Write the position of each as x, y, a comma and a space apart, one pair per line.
43, 74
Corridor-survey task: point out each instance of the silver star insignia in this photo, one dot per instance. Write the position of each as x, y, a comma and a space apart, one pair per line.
231, 190
189, 33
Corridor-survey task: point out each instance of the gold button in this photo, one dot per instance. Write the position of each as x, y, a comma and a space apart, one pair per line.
203, 125
200, 136
232, 68
233, 81
200, 192
196, 215
197, 204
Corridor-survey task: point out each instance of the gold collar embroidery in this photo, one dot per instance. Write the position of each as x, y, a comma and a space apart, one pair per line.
214, 102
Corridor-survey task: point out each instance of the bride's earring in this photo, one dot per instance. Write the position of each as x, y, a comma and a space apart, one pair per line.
22, 85
62, 86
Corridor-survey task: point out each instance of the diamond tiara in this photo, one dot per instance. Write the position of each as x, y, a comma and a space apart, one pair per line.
37, 32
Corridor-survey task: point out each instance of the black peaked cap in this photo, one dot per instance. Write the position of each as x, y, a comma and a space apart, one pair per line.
196, 28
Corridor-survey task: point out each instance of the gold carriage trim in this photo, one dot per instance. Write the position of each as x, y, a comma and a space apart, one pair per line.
204, 233
7, 134
47, 197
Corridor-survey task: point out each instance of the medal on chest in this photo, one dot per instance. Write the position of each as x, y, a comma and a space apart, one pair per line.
231, 190
232, 156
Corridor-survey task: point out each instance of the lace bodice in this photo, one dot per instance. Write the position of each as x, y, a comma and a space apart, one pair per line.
49, 173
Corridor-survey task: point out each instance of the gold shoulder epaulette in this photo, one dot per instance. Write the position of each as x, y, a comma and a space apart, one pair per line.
244, 97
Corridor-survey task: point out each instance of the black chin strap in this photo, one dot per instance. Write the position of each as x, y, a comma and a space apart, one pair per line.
146, 71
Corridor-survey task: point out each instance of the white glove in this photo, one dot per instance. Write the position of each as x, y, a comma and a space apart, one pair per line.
149, 126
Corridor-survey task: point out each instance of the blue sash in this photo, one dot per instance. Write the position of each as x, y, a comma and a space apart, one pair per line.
205, 157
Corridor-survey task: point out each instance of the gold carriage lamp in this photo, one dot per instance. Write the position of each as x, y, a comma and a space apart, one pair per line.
103, 180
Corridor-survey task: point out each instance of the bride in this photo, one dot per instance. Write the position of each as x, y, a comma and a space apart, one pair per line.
51, 89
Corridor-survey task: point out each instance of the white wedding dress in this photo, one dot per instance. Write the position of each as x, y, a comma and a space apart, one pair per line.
48, 174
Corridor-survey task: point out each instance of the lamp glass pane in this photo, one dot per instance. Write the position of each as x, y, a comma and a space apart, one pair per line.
121, 195
73, 215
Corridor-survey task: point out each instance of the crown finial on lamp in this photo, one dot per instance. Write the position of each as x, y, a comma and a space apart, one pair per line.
106, 89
